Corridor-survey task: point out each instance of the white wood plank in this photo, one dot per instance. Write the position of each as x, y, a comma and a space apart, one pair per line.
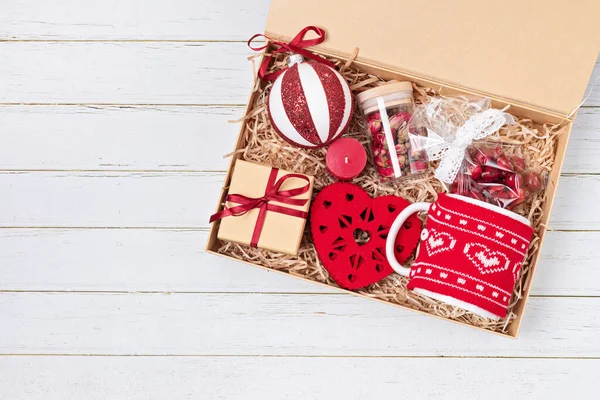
165, 138
132, 19
125, 73
277, 324
128, 260
568, 260
169, 138
231, 378
174, 261
575, 205
583, 151
185, 200
132, 73
593, 88
108, 199
117, 138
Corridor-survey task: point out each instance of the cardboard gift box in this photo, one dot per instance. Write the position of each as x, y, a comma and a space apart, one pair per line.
273, 224
534, 56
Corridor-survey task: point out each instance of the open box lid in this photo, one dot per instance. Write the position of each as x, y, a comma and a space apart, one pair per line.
536, 52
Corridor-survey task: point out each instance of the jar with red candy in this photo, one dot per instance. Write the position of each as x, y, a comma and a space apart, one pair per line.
387, 110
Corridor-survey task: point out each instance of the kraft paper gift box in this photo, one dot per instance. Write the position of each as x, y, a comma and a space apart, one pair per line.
534, 56
271, 225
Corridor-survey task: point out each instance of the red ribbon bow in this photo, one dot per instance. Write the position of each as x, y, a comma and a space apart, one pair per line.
272, 193
297, 45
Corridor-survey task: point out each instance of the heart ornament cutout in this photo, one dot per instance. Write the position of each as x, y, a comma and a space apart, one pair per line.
485, 260
349, 230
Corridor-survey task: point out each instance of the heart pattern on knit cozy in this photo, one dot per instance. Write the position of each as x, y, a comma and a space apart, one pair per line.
349, 230
485, 260
438, 242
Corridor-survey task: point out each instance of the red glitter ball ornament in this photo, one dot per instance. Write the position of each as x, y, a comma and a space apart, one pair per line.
310, 104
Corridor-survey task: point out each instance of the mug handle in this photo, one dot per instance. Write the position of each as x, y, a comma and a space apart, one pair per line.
393, 233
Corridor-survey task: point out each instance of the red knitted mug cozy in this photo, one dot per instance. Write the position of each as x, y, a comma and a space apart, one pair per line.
471, 254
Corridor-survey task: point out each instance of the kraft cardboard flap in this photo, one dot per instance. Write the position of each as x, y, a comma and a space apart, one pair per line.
536, 52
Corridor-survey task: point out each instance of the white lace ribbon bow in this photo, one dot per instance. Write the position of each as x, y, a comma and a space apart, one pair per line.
452, 153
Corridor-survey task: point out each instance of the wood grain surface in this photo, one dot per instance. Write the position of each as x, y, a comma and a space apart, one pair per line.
113, 127
241, 378
141, 259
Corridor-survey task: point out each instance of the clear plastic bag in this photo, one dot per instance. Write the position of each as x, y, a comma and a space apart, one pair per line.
497, 174
461, 132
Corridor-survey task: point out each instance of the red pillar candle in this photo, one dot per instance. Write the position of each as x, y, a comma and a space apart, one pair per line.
346, 158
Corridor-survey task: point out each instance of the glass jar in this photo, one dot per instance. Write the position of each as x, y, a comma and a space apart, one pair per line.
387, 110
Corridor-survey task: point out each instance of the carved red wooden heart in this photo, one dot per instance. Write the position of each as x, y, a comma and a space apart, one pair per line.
350, 228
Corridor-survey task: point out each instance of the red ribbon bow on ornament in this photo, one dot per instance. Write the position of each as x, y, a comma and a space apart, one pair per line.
297, 45
272, 193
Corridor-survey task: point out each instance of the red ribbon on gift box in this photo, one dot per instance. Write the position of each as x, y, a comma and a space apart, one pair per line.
297, 45
272, 193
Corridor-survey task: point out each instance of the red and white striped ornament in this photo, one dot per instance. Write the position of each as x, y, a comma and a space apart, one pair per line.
310, 104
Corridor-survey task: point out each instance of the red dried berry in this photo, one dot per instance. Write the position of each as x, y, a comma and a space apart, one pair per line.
488, 153
521, 196
533, 182
514, 181
504, 197
476, 194
503, 164
479, 157
497, 152
495, 190
474, 171
518, 164
490, 174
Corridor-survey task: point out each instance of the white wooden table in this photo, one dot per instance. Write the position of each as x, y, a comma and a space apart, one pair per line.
113, 120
